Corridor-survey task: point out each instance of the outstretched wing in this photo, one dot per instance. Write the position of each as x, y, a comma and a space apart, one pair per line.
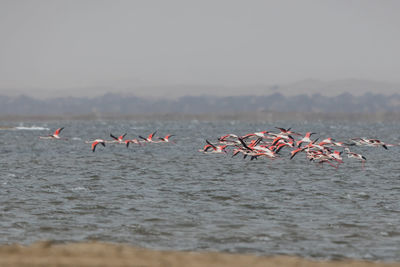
151, 135
58, 131
244, 144
214, 147
114, 137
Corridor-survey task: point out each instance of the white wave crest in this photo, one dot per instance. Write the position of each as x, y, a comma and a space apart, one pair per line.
31, 128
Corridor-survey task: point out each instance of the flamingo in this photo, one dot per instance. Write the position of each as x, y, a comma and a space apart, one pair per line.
287, 131
215, 149
283, 140
310, 145
149, 139
374, 142
294, 152
356, 156
55, 135
119, 139
166, 138
336, 155
134, 141
321, 152
227, 139
96, 142
223, 138
306, 138
278, 147
327, 141
357, 141
254, 149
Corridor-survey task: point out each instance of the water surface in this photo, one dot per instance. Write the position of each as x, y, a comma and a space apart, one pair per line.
170, 196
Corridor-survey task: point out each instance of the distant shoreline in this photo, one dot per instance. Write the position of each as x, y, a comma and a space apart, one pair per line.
215, 116
108, 254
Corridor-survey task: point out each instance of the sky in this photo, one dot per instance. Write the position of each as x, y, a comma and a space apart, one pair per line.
152, 47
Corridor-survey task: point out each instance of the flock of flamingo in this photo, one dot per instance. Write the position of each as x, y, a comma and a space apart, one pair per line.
262, 144
271, 144
118, 140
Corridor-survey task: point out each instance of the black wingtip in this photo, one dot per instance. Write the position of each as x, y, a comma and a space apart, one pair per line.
244, 144
258, 141
208, 142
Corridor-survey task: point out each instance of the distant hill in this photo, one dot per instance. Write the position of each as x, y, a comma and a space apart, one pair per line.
173, 91
277, 102
334, 88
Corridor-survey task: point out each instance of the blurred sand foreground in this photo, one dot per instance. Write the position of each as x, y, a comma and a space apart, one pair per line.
105, 254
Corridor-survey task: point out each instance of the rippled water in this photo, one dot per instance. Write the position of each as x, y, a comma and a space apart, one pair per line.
170, 196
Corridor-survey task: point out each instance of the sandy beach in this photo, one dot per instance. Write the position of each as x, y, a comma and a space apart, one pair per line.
106, 254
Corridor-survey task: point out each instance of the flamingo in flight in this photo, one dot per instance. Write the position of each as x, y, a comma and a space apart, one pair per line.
166, 138
306, 138
55, 135
119, 139
322, 152
215, 149
374, 142
287, 131
356, 156
96, 142
134, 141
149, 139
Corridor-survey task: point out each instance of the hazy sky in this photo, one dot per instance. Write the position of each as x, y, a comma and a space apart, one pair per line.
56, 45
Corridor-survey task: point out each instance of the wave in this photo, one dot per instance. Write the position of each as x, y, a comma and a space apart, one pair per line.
31, 128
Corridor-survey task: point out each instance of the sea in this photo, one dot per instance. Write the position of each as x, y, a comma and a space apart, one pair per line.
171, 196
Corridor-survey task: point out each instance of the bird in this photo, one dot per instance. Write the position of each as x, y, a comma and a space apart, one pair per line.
356, 156
269, 144
166, 138
297, 150
223, 138
149, 139
327, 141
374, 142
119, 139
215, 149
287, 131
306, 138
336, 155
134, 141
96, 142
55, 135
